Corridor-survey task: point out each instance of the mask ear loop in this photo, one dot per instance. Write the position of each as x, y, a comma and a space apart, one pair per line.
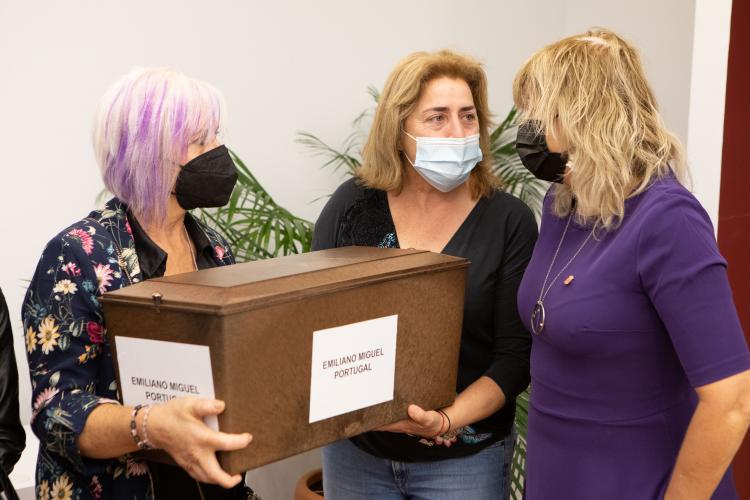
407, 133
404, 152
408, 159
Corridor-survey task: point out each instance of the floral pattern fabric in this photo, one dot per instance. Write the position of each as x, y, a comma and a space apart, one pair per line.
70, 361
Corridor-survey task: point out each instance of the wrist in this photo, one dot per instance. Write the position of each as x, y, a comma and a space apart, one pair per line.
448, 421
145, 423
136, 416
440, 427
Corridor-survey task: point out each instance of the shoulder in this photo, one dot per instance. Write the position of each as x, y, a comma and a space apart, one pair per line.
502, 201
671, 221
502, 206
81, 237
508, 225
348, 193
667, 189
350, 208
78, 263
666, 204
88, 240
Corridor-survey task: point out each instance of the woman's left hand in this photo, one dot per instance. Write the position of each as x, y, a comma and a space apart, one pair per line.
427, 424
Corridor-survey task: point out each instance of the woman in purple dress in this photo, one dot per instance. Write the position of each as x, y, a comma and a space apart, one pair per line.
640, 370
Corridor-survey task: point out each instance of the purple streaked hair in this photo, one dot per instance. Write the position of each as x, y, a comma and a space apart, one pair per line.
142, 129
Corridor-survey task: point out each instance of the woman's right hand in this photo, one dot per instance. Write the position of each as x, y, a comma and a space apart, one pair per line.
177, 427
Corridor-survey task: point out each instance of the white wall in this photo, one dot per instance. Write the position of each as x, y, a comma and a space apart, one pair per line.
684, 46
283, 66
707, 98
663, 30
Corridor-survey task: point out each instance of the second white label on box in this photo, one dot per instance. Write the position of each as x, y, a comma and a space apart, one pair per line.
353, 367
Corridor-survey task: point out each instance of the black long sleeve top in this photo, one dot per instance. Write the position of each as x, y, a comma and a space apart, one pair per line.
497, 237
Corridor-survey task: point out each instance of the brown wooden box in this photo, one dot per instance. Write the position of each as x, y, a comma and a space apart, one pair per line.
258, 320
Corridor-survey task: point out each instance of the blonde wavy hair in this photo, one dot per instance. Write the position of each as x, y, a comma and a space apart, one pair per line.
382, 162
589, 92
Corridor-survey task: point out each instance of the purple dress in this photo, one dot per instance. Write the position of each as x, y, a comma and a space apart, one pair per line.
647, 317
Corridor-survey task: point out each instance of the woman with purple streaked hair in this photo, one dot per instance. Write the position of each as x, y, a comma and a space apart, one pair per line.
156, 139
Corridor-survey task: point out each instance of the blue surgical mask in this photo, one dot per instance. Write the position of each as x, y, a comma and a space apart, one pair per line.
446, 162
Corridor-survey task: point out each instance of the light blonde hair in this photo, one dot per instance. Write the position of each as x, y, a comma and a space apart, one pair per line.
589, 92
382, 163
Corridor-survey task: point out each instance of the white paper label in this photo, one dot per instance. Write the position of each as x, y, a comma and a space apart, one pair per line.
353, 366
154, 371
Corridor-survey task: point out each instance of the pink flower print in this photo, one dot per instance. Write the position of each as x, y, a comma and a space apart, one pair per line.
87, 242
95, 487
95, 331
71, 269
103, 276
135, 468
128, 228
43, 398
41, 401
219, 251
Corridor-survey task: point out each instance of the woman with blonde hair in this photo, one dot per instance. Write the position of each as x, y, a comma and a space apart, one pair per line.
426, 183
640, 370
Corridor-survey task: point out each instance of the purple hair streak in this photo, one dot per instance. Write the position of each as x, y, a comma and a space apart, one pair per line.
142, 129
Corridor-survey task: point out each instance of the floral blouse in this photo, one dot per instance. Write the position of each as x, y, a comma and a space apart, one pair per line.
70, 359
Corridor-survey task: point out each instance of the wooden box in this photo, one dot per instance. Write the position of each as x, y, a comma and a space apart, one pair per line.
258, 321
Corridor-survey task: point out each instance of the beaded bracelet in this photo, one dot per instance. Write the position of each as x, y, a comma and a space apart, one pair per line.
133, 428
143, 444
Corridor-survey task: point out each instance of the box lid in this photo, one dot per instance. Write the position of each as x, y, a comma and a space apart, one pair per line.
230, 289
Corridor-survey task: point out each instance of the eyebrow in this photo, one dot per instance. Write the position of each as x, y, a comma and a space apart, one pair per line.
443, 109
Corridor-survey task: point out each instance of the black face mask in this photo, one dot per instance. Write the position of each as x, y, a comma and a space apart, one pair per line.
536, 156
206, 180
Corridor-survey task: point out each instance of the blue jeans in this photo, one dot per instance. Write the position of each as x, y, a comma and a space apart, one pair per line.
352, 474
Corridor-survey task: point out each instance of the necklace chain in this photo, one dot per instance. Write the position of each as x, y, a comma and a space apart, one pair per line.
192, 250
538, 315
543, 293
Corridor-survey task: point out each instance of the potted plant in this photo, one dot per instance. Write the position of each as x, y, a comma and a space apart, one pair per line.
310, 486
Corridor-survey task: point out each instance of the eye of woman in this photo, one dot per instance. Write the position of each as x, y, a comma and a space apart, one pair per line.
439, 118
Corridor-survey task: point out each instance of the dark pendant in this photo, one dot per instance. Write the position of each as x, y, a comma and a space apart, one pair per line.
538, 317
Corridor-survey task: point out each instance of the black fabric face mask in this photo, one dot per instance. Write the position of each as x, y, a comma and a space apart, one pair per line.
207, 180
536, 156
